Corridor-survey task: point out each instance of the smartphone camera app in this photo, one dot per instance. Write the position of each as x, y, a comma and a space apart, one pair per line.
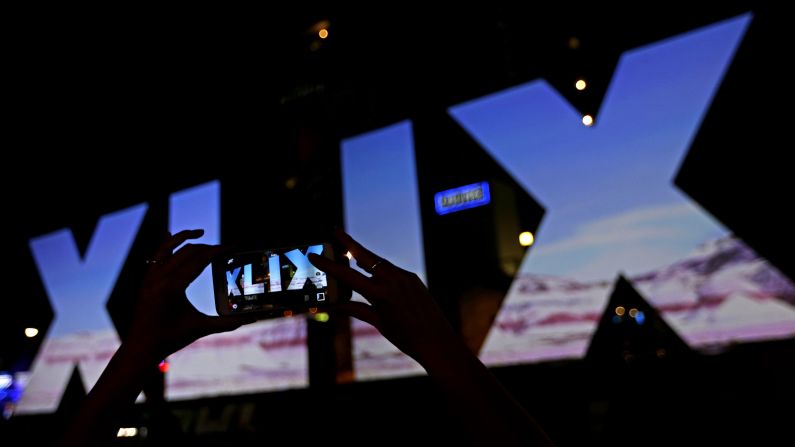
270, 280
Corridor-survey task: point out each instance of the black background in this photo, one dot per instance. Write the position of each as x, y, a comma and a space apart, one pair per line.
106, 109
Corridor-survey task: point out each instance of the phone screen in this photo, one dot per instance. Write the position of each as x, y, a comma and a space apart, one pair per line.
270, 280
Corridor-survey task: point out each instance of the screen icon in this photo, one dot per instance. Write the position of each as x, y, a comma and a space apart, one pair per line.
321, 296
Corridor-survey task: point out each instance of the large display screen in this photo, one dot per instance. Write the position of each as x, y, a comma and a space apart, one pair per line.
611, 209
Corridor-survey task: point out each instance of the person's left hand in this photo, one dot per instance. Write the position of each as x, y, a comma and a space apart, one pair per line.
401, 307
164, 320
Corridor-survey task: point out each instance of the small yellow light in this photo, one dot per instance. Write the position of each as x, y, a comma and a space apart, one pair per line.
574, 43
620, 310
127, 432
349, 255
633, 312
313, 310
323, 33
290, 183
587, 120
526, 239
580, 84
31, 332
321, 317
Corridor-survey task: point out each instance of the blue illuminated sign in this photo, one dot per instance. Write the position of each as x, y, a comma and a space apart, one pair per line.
461, 198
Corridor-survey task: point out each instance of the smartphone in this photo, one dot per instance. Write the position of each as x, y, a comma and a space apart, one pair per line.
275, 282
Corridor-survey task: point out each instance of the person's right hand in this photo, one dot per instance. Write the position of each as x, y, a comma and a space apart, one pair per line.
164, 320
401, 307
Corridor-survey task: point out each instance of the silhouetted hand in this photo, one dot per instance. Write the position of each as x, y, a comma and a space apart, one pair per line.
401, 307
165, 321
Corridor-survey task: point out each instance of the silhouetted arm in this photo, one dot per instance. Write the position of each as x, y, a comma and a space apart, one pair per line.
99, 417
403, 310
164, 322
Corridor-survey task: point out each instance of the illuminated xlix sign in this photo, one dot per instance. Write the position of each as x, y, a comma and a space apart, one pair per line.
611, 209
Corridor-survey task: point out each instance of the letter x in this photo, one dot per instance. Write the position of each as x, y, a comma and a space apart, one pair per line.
305, 269
611, 206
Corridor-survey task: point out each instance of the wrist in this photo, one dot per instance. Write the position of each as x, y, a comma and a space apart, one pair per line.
446, 355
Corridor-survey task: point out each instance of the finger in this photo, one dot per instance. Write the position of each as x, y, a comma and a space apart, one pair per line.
189, 261
347, 275
167, 247
364, 257
360, 311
